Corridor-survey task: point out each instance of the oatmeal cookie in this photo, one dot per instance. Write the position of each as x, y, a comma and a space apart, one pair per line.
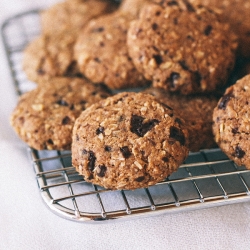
196, 111
128, 141
232, 124
44, 117
181, 48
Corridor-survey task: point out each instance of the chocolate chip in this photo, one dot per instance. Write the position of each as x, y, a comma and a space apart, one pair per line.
239, 153
138, 127
101, 44
99, 130
178, 120
84, 151
158, 59
208, 30
40, 72
107, 148
99, 29
157, 13
154, 26
96, 59
50, 141
140, 179
183, 65
235, 130
172, 3
173, 79
165, 159
91, 159
62, 103
125, 152
197, 77
189, 6
101, 170
175, 21
177, 134
91, 177
65, 120
224, 100
72, 107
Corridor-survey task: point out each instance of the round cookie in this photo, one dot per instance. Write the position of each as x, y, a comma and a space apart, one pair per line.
236, 13
44, 117
51, 56
196, 111
128, 141
232, 124
73, 14
181, 48
102, 53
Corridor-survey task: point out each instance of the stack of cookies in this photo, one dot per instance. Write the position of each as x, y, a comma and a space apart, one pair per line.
179, 53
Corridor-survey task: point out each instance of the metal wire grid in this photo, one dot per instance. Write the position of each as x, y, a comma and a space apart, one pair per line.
207, 178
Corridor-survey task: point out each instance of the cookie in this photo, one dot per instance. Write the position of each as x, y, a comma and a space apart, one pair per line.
51, 56
236, 13
181, 48
128, 141
231, 122
196, 111
73, 14
44, 117
133, 6
102, 53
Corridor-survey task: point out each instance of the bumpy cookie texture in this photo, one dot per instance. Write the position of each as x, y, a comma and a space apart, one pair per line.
73, 14
232, 124
102, 53
236, 13
44, 117
181, 48
196, 111
51, 56
128, 141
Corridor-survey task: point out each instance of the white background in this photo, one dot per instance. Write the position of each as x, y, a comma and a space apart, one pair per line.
25, 222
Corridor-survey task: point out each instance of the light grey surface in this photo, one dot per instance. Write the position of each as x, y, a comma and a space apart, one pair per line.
25, 223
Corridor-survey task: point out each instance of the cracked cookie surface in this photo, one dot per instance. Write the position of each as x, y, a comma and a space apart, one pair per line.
44, 117
128, 141
181, 48
196, 111
232, 124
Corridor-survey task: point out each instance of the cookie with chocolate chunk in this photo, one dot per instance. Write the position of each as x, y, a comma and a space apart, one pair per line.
51, 56
128, 141
44, 117
196, 111
232, 124
102, 53
181, 48
73, 14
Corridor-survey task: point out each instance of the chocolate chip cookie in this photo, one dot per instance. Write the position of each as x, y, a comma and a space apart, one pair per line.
73, 14
236, 13
232, 124
102, 53
181, 48
196, 111
44, 117
51, 56
128, 141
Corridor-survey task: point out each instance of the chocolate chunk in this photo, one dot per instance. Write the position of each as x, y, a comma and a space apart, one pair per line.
208, 30
101, 170
84, 151
65, 120
140, 179
107, 148
235, 130
183, 65
138, 127
197, 77
96, 59
178, 120
189, 6
224, 100
177, 134
99, 130
173, 79
50, 141
125, 152
62, 103
172, 3
165, 159
158, 59
157, 13
154, 26
99, 29
91, 159
239, 153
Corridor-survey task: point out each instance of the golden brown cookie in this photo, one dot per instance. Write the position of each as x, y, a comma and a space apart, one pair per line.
236, 13
44, 117
232, 124
181, 48
128, 141
196, 111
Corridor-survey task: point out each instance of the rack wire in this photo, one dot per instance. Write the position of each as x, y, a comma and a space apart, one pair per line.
206, 179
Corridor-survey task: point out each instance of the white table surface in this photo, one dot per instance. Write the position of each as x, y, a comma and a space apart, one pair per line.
26, 223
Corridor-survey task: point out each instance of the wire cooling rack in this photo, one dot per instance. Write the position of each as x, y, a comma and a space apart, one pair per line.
207, 178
